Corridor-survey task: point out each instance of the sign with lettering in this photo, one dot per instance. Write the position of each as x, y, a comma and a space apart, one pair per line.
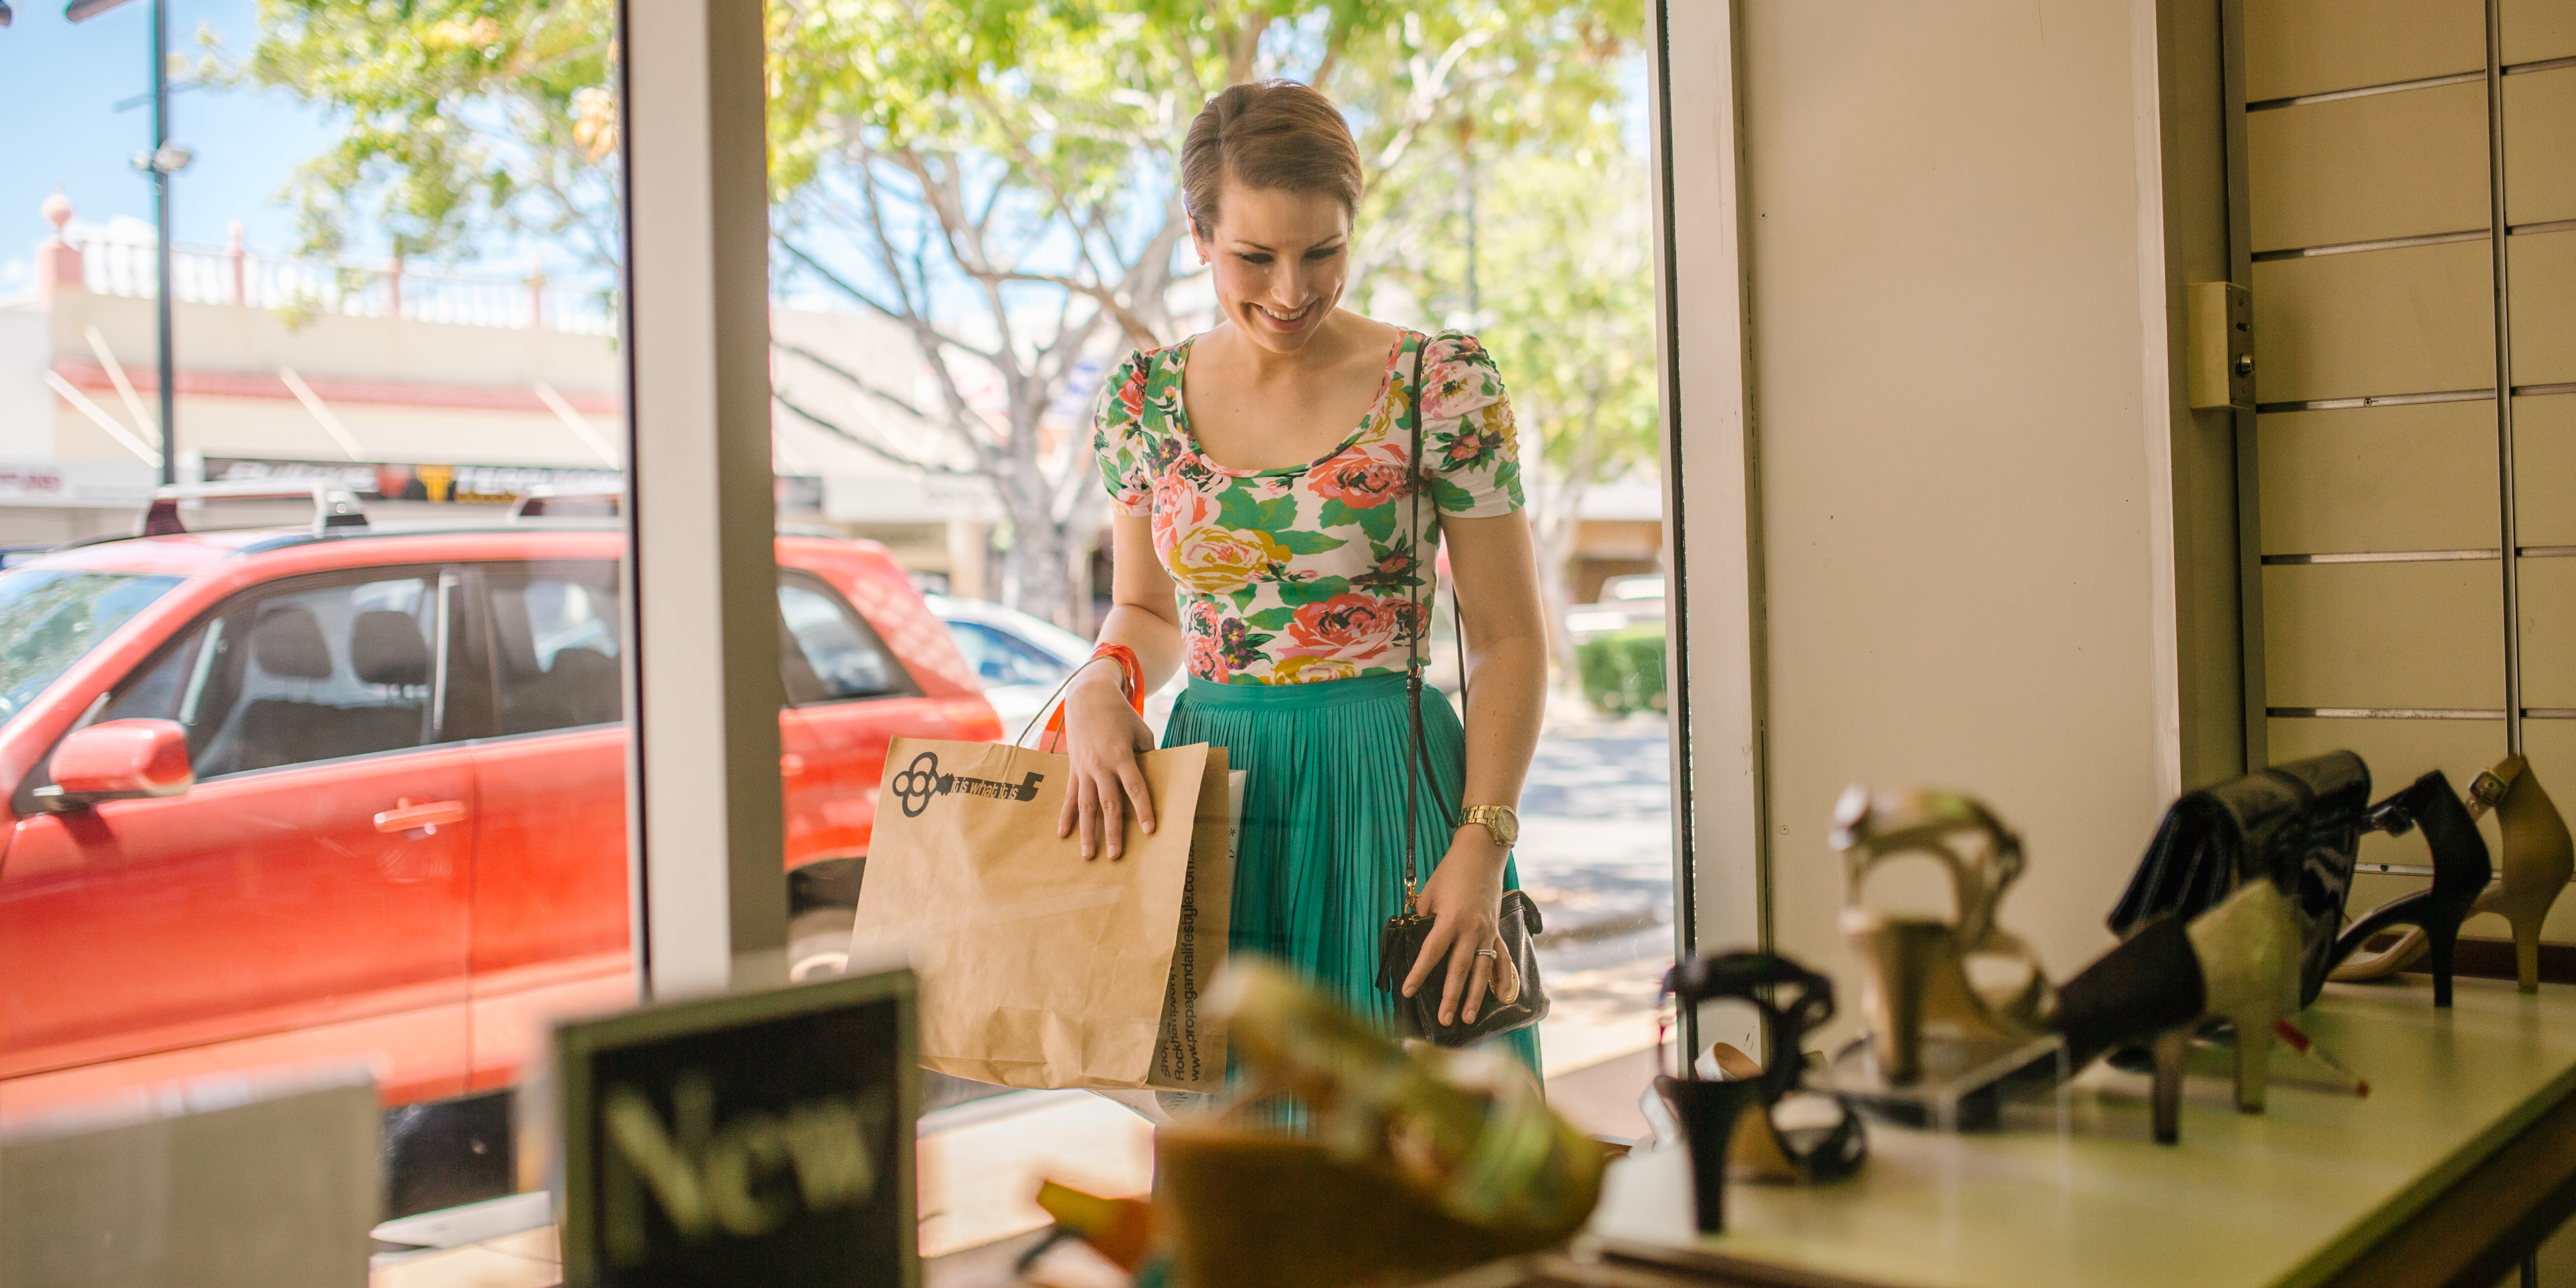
757, 1139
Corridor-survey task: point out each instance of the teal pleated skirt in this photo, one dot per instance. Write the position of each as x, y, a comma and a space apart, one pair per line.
1321, 863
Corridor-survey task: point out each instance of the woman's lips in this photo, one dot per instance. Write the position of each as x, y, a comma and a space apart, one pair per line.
1278, 322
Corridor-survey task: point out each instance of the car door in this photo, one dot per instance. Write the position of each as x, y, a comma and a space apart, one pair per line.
850, 697
305, 898
550, 894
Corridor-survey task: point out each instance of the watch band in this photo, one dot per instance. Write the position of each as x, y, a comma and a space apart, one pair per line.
1499, 822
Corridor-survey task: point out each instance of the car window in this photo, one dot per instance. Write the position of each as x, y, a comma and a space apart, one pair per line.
827, 652
50, 617
556, 637
1001, 658
303, 672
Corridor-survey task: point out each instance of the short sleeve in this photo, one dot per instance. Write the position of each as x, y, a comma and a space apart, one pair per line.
1118, 436
1467, 429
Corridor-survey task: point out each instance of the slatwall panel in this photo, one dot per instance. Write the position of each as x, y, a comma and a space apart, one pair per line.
2419, 606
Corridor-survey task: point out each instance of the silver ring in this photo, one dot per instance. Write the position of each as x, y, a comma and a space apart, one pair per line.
1485, 952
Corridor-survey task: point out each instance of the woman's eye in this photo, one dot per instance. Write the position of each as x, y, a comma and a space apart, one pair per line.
1254, 259
1318, 256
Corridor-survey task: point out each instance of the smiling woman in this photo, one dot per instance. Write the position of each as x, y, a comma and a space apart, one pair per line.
1283, 484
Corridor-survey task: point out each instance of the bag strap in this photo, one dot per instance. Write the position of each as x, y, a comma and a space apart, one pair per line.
1418, 765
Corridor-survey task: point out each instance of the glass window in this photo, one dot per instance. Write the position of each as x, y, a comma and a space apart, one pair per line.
555, 644
306, 672
1001, 658
49, 618
827, 651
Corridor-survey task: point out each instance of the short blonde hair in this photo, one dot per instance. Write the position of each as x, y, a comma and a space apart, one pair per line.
1268, 134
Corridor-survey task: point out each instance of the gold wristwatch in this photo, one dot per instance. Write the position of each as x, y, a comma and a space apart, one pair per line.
1497, 820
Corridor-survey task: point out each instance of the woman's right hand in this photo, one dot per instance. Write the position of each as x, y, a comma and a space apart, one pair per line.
1102, 735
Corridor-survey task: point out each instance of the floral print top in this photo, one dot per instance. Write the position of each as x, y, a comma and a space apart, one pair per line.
1308, 573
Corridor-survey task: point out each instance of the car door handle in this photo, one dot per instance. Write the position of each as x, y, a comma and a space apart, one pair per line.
408, 814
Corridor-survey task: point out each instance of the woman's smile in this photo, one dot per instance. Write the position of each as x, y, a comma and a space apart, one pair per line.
1285, 321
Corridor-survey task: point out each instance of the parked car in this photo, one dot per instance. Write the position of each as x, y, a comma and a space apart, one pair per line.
278, 797
1625, 602
1021, 658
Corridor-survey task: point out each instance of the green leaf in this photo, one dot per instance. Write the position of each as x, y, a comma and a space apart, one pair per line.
1272, 619
1307, 543
1302, 593
1378, 521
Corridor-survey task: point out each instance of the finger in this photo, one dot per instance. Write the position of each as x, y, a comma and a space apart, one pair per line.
1133, 776
1071, 810
1507, 976
1434, 947
1089, 817
1479, 981
1462, 963
1113, 815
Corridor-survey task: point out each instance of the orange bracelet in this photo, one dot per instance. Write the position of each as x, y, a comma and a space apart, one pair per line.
1131, 670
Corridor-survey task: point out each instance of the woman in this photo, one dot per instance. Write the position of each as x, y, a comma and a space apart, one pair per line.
1265, 535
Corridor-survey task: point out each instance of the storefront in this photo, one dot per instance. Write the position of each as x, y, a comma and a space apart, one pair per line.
2087, 433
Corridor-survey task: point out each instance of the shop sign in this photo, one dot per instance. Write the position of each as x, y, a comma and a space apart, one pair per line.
761, 1138
75, 483
468, 484
390, 481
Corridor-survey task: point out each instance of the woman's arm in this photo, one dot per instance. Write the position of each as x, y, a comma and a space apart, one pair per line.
1496, 569
1102, 732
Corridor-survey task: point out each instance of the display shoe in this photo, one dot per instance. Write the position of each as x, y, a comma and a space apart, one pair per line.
2238, 962
2460, 873
1730, 1126
1917, 994
2538, 858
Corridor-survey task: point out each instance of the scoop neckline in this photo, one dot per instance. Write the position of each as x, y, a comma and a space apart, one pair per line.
1190, 436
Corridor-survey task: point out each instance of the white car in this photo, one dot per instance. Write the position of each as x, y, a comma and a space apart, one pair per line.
1021, 659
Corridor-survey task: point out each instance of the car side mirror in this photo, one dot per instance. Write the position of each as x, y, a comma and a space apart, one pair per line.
119, 760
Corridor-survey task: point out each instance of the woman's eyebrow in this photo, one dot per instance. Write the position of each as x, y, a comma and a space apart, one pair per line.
1326, 244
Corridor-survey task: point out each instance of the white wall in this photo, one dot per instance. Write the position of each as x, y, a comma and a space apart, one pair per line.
1957, 423
26, 405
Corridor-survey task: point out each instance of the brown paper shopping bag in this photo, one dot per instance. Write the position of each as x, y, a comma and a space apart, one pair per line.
1040, 968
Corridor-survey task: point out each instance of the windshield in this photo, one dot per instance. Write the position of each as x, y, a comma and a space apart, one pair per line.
49, 618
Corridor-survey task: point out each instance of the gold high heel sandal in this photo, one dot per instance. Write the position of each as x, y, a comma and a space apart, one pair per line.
2538, 859
1917, 997
2248, 952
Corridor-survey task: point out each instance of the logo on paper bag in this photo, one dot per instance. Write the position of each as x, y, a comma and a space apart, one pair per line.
922, 780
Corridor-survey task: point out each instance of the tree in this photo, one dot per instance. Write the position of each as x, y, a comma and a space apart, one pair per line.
997, 177
1573, 323
457, 118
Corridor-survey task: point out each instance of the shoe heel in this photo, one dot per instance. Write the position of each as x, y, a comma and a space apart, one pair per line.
2446, 943
2526, 951
2254, 1037
1905, 955
2173, 1052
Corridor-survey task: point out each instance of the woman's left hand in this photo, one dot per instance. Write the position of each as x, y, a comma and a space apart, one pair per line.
1464, 898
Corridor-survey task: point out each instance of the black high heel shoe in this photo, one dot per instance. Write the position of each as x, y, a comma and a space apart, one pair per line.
2460, 875
1729, 1126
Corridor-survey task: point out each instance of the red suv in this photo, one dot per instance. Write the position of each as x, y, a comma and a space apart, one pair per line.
279, 797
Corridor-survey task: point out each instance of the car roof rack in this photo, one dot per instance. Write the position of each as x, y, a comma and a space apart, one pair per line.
579, 501
334, 508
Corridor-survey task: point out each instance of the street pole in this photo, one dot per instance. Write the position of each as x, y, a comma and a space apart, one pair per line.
169, 370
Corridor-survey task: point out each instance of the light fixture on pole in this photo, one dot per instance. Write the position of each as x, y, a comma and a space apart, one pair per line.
164, 160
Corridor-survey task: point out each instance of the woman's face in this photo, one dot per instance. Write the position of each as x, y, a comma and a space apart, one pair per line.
1280, 260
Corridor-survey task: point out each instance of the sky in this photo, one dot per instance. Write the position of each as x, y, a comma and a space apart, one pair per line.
59, 86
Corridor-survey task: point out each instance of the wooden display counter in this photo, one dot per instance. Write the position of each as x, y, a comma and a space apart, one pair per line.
2457, 1164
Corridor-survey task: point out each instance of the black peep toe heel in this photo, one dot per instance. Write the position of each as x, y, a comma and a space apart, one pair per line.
2460, 874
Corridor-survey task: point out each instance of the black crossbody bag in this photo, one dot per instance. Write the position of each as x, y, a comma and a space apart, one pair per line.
1400, 944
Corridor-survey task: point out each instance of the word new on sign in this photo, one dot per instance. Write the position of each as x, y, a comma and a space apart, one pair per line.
763, 1138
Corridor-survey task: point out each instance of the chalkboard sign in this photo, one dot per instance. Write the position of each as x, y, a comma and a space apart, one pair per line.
758, 1139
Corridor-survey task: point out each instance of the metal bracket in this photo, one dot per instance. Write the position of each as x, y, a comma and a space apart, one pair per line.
2219, 346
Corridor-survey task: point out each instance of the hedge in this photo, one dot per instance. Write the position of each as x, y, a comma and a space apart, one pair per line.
1623, 672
